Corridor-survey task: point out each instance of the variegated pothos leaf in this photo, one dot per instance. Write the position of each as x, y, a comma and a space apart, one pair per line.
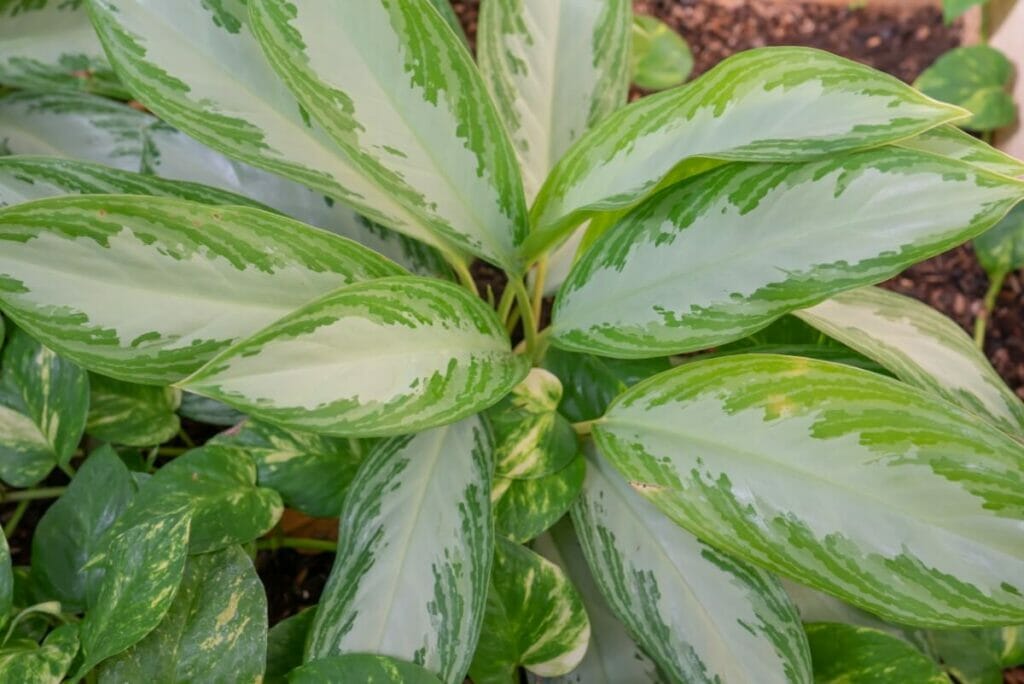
47, 663
379, 358
525, 508
725, 253
702, 615
144, 566
215, 630
71, 269
769, 104
853, 483
555, 68
409, 112
134, 415
921, 347
414, 556
534, 618
844, 654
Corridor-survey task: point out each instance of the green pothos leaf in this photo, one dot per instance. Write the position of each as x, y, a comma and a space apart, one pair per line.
534, 618
977, 78
414, 554
951, 9
532, 439
43, 664
590, 383
134, 415
379, 358
612, 656
702, 615
311, 472
974, 656
71, 268
286, 643
841, 479
361, 667
50, 45
665, 279
722, 115
525, 508
215, 630
144, 566
844, 654
44, 400
216, 485
71, 530
921, 347
1001, 249
660, 58
209, 411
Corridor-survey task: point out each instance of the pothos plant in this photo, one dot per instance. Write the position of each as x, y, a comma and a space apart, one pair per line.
745, 433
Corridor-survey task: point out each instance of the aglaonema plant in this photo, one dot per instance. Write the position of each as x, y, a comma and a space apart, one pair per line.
729, 457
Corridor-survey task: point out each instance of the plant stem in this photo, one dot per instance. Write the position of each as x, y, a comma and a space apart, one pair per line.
171, 451
539, 279
12, 524
462, 271
67, 469
505, 304
184, 436
525, 310
585, 427
32, 494
275, 543
981, 322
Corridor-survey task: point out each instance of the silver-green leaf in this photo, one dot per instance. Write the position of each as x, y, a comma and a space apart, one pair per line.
723, 254
856, 484
702, 615
72, 271
414, 555
379, 358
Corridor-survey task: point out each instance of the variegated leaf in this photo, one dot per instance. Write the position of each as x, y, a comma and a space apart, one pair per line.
950, 141
702, 615
534, 619
214, 631
144, 566
71, 269
856, 484
410, 113
364, 668
769, 104
311, 472
44, 400
414, 555
71, 530
921, 347
555, 68
26, 178
447, 12
216, 485
976, 656
385, 357
47, 663
130, 414
286, 642
844, 654
50, 45
525, 508
86, 127
612, 656
725, 253
199, 67
532, 439
590, 383
977, 78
